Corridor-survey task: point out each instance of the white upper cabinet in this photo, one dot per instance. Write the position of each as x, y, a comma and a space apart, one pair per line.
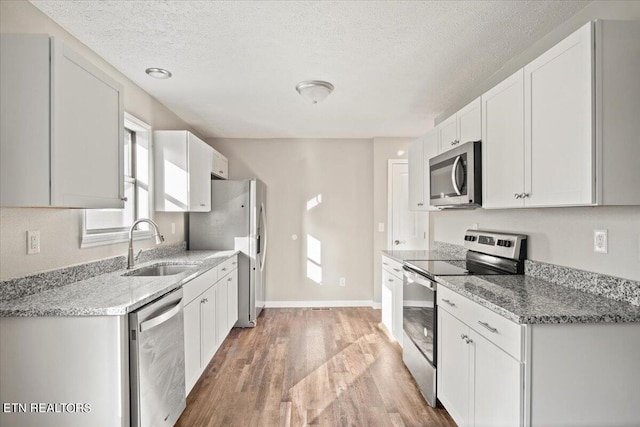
61, 127
558, 105
464, 126
220, 166
564, 130
503, 144
447, 134
416, 176
182, 164
430, 149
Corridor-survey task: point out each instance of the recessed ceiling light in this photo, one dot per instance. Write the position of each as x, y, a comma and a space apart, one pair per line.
314, 90
158, 73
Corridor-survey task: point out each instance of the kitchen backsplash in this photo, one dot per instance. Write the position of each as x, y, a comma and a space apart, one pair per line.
32, 284
600, 284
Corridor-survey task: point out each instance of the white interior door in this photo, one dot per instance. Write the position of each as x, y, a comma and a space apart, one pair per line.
407, 229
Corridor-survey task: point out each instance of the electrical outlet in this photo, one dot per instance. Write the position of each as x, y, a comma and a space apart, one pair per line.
381, 227
475, 226
33, 242
600, 241
343, 281
173, 228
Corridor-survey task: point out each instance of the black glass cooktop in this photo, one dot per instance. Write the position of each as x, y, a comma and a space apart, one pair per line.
452, 268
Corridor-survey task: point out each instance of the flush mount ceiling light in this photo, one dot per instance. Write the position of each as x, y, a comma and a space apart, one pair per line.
314, 90
158, 73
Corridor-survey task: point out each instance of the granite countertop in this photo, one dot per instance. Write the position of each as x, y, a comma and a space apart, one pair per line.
112, 294
530, 300
422, 255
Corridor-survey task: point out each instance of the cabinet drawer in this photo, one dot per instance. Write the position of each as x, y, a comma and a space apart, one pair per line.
227, 266
502, 332
195, 287
392, 266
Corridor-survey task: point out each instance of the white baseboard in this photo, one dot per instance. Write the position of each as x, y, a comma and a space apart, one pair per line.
314, 304
376, 305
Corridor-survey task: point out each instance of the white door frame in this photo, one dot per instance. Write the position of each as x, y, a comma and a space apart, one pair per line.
390, 164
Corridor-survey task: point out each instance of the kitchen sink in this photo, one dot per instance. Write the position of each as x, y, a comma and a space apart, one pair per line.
161, 270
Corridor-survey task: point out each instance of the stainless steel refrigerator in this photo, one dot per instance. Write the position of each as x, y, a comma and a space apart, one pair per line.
237, 221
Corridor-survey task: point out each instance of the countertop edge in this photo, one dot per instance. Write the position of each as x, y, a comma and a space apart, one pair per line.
123, 309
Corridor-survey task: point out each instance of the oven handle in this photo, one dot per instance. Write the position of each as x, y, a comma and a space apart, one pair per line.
413, 277
454, 178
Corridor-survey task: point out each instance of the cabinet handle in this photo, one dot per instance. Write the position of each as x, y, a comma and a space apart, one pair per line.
389, 280
224, 269
525, 195
489, 327
517, 195
229, 279
463, 336
233, 263
396, 270
384, 263
468, 340
220, 172
124, 199
202, 204
420, 204
448, 302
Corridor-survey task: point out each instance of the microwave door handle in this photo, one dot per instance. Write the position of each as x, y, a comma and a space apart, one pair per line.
454, 179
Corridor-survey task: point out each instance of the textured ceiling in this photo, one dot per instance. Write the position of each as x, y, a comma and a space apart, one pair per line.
395, 65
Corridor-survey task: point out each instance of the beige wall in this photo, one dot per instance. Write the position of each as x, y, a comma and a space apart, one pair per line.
296, 171
560, 235
60, 228
384, 149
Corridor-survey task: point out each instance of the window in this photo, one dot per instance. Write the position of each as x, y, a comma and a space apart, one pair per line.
107, 226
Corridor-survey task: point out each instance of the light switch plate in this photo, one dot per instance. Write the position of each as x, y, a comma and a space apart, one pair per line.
600, 241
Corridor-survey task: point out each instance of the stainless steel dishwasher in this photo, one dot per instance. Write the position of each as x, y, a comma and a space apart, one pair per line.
156, 362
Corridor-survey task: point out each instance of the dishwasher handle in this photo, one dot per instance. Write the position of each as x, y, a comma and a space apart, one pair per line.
162, 317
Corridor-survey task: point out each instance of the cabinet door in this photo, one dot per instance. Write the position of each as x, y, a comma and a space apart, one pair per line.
232, 299
200, 162
220, 165
497, 385
87, 133
453, 367
503, 144
447, 134
208, 326
559, 142
387, 301
416, 176
469, 122
192, 365
24, 122
222, 312
430, 148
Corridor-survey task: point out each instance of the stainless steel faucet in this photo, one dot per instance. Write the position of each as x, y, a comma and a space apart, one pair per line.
159, 239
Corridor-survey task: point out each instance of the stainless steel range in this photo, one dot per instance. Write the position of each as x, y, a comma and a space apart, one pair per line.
489, 253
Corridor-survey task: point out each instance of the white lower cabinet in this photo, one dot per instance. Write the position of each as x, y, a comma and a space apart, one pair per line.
209, 315
391, 298
480, 382
493, 372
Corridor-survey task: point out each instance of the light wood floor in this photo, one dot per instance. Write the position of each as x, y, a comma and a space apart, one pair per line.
310, 367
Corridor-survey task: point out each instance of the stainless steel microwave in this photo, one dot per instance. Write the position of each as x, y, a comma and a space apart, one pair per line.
456, 177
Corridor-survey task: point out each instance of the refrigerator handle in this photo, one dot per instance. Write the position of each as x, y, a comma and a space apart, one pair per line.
264, 232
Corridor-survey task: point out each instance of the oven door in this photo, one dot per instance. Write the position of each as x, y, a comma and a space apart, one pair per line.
455, 177
419, 328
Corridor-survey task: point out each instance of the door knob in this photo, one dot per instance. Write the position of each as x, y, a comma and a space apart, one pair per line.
397, 242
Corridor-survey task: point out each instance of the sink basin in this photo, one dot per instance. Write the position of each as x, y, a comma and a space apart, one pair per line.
161, 270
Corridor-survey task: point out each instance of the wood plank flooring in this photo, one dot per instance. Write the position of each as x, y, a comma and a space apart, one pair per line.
304, 367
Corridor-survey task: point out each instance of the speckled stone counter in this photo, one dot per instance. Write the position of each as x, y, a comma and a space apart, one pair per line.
530, 300
112, 293
440, 252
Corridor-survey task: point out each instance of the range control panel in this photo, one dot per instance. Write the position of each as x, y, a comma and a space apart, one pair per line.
496, 243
